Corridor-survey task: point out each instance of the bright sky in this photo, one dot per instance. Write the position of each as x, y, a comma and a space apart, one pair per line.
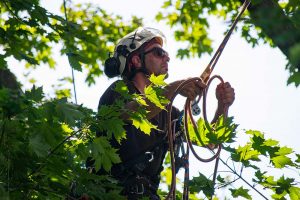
263, 100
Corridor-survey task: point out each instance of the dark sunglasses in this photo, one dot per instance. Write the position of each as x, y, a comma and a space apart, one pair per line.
158, 52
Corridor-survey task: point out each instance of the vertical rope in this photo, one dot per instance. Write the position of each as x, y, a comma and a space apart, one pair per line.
72, 69
210, 67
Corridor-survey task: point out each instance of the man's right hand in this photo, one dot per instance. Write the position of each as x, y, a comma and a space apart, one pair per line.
192, 89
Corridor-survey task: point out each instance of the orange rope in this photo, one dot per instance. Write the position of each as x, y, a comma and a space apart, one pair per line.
205, 78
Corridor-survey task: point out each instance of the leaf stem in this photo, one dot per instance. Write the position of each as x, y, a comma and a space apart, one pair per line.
240, 176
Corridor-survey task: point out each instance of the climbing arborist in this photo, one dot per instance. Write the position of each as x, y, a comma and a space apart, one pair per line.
136, 56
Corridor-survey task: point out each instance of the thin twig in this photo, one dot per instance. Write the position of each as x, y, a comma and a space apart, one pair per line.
52, 151
228, 183
13, 14
240, 176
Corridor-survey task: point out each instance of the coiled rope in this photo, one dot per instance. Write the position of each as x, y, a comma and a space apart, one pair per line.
204, 82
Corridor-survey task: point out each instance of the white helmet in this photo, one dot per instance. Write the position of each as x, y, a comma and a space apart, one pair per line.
131, 42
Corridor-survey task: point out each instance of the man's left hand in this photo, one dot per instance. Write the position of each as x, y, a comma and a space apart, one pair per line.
225, 94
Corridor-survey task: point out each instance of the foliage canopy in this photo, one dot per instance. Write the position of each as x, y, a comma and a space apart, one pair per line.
44, 143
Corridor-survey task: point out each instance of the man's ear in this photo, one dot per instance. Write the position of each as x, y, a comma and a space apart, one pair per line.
136, 61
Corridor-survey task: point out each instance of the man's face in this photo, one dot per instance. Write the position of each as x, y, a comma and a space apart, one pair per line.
156, 59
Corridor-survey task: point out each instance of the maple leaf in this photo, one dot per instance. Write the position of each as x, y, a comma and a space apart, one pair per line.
122, 89
111, 122
68, 112
202, 183
152, 96
35, 94
114, 126
240, 192
142, 123
38, 145
281, 161
298, 158
294, 193
158, 80
104, 154
247, 153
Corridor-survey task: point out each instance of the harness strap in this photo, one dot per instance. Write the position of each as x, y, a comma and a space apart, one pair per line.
138, 164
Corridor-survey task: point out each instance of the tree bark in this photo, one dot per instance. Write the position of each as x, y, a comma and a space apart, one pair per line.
270, 17
8, 80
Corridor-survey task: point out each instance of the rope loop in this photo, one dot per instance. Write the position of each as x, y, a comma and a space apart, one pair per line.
187, 116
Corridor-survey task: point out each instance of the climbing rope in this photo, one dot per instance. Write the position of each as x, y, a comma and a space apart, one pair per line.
204, 82
69, 53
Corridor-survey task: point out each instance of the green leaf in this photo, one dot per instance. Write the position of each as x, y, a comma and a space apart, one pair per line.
240, 192
114, 126
298, 158
284, 151
63, 93
294, 193
122, 89
221, 179
74, 61
111, 122
282, 187
152, 96
29, 59
103, 154
35, 94
260, 176
140, 100
294, 78
255, 132
201, 183
158, 80
69, 113
142, 123
270, 142
39, 146
281, 161
247, 153
3, 62
201, 134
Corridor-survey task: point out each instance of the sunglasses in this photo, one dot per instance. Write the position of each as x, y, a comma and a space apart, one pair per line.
158, 52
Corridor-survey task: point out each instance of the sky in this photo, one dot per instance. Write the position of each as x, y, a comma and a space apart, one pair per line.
263, 100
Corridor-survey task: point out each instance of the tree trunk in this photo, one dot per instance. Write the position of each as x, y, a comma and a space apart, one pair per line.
270, 17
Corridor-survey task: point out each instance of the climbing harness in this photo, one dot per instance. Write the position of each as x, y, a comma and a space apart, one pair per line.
204, 80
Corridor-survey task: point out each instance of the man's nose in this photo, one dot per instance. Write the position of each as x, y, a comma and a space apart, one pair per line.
166, 58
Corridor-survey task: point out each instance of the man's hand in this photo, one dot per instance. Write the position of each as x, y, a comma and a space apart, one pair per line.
192, 90
225, 95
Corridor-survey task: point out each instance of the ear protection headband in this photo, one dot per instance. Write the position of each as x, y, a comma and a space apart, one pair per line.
112, 64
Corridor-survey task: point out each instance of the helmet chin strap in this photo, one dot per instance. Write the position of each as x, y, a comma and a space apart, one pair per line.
142, 69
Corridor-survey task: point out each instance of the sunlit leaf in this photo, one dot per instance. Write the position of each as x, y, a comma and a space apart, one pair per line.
142, 123
158, 80
152, 96
281, 161
294, 193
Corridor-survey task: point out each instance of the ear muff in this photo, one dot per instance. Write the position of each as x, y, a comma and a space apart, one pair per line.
111, 67
132, 46
112, 64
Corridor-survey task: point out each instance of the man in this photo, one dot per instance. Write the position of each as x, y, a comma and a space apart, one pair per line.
137, 56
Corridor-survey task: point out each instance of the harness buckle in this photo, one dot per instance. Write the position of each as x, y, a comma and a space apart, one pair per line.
150, 155
138, 189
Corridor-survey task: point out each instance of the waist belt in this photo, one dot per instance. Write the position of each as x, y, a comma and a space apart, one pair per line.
140, 186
